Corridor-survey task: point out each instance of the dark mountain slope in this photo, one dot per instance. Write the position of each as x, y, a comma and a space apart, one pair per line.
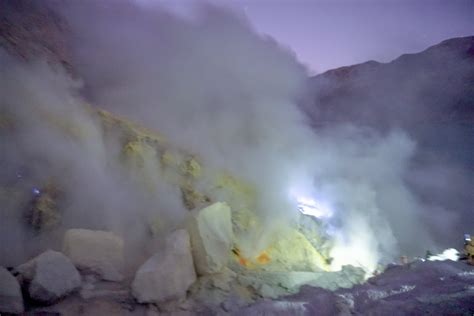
430, 96
436, 85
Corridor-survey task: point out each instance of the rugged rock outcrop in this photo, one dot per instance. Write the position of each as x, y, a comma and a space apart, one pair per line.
168, 274
20, 18
11, 299
49, 277
432, 86
100, 252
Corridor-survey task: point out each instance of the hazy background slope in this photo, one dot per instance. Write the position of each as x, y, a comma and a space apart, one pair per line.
430, 95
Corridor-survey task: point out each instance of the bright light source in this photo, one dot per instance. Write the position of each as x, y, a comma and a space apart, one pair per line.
310, 207
448, 254
467, 237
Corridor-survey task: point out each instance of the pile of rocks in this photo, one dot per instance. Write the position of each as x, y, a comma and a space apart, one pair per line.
53, 275
190, 273
90, 256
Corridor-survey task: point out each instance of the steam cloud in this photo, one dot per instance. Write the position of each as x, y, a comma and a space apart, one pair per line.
216, 88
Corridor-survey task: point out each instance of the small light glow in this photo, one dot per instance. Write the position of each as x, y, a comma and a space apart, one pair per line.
36, 191
448, 254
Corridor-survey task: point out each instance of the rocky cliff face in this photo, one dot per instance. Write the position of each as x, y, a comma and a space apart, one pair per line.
429, 94
29, 29
433, 86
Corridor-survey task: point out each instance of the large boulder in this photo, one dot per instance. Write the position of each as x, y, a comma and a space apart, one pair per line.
168, 274
97, 251
11, 300
211, 237
49, 277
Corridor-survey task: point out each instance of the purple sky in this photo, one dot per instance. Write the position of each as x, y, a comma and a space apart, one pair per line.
328, 34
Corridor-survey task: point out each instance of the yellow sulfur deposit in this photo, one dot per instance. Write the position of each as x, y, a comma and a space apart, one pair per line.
167, 159
113, 122
241, 197
290, 251
137, 153
242, 193
293, 252
191, 168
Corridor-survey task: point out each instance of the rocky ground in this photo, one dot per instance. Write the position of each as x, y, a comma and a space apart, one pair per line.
52, 286
192, 274
194, 270
417, 288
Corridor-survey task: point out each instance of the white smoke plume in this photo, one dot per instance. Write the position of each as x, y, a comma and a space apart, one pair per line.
213, 86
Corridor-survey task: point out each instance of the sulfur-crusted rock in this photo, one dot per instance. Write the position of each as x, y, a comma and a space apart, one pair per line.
276, 284
287, 250
168, 274
191, 167
293, 252
211, 237
11, 300
49, 277
98, 251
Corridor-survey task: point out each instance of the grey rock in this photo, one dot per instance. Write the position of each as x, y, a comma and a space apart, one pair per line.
11, 300
49, 277
168, 274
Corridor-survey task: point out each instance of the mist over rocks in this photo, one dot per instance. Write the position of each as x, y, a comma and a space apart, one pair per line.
203, 110
99, 252
232, 113
231, 116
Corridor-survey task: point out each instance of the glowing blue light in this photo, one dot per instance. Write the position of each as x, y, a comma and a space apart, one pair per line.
310, 207
36, 191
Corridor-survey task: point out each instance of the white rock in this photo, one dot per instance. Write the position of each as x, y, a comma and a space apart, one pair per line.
98, 251
50, 276
11, 300
211, 237
168, 274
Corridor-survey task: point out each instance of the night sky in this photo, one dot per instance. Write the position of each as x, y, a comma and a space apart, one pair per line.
329, 34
